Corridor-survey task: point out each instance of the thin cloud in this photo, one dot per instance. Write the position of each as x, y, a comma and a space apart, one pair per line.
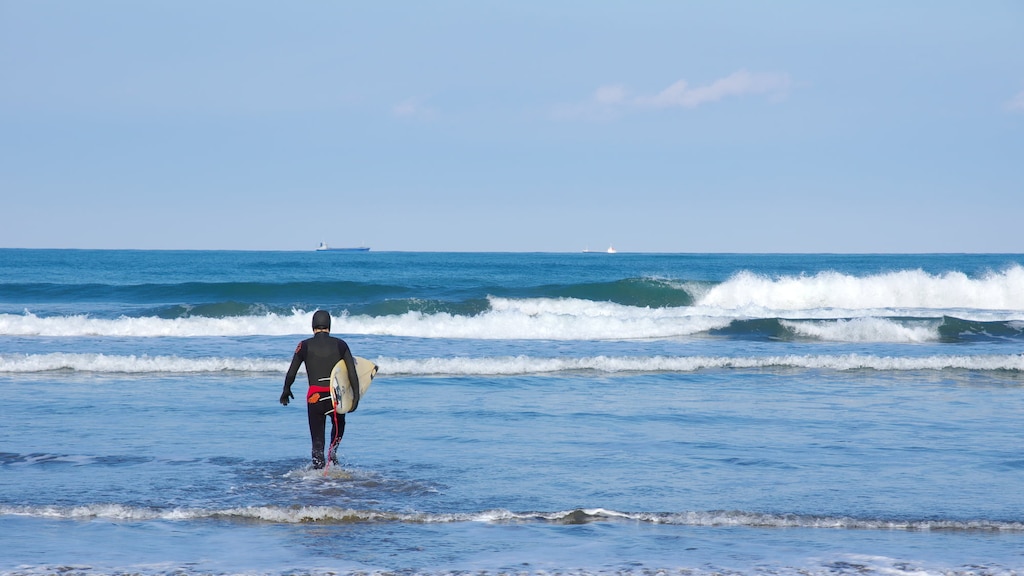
1016, 104
611, 100
740, 83
611, 95
413, 108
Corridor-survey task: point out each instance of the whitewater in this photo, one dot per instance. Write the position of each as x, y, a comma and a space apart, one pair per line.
859, 306
533, 414
467, 366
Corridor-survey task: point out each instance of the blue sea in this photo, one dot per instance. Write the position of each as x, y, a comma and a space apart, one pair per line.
648, 414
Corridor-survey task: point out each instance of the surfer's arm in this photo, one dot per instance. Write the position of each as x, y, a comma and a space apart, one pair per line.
293, 371
289, 378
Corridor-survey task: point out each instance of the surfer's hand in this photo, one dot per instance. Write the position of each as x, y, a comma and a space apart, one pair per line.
286, 394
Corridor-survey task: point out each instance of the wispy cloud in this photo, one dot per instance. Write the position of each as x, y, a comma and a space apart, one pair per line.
1016, 104
613, 99
611, 95
740, 83
413, 108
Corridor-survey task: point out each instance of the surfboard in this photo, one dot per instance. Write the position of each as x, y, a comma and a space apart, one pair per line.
341, 389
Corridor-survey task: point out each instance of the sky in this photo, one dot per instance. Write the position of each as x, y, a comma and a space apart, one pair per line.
554, 126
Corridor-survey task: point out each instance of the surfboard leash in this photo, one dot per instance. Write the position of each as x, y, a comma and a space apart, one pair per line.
334, 441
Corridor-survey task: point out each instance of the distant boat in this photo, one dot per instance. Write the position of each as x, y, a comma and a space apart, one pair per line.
323, 247
610, 250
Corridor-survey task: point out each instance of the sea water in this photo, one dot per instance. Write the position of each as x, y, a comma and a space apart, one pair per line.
533, 414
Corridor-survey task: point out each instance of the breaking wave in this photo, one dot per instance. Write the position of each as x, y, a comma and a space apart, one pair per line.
510, 365
551, 320
338, 515
911, 289
904, 306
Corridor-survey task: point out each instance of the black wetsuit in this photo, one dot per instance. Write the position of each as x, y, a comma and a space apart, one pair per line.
320, 353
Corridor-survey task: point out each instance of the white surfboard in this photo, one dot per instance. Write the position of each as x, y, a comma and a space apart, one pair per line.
341, 389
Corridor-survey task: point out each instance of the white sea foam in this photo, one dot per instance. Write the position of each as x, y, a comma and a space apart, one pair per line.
911, 289
508, 365
28, 363
565, 319
535, 319
543, 318
28, 324
824, 296
866, 330
333, 514
530, 365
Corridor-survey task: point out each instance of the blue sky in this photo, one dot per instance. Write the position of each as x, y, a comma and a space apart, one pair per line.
546, 126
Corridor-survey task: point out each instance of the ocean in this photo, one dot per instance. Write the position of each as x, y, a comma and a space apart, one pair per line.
693, 414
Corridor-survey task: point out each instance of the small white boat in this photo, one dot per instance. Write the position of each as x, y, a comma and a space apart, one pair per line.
610, 250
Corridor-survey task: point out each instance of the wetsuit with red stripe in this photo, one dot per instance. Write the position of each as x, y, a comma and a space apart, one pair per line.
320, 353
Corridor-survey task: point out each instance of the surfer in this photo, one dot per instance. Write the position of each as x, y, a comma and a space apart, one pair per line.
320, 353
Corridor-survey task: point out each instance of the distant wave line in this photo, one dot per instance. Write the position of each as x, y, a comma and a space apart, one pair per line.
907, 288
745, 294
337, 515
507, 365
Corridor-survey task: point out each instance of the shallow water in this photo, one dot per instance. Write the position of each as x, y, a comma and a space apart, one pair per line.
531, 414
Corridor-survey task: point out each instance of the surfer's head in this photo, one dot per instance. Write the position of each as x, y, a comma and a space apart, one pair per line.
321, 320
